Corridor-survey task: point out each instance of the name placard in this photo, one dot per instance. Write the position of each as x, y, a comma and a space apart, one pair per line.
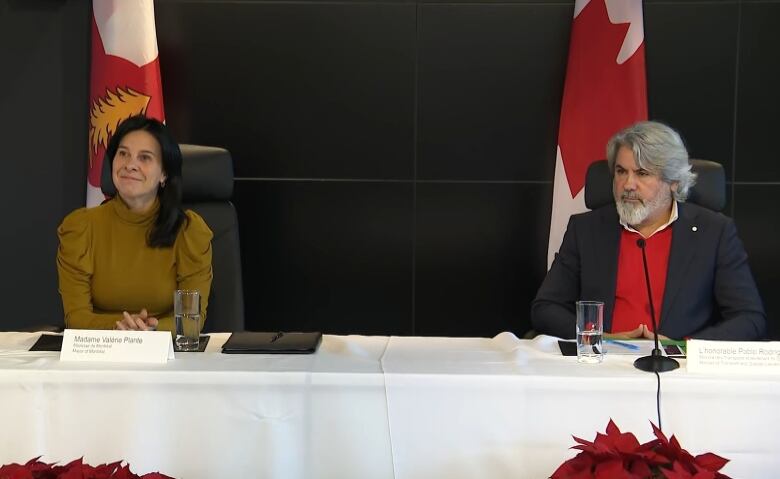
116, 346
733, 356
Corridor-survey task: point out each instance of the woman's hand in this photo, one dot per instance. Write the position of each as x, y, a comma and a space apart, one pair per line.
137, 322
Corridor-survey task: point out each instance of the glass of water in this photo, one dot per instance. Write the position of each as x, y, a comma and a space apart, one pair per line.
590, 330
186, 308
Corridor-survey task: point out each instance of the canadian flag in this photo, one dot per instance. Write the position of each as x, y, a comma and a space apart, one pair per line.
124, 77
605, 90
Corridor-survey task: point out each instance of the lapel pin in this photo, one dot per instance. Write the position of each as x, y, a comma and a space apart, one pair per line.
694, 228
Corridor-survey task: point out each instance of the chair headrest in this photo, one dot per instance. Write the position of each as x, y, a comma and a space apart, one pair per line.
709, 190
207, 174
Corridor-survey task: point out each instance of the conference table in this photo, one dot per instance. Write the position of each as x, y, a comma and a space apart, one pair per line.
370, 407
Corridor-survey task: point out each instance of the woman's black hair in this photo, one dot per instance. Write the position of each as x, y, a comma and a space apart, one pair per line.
171, 215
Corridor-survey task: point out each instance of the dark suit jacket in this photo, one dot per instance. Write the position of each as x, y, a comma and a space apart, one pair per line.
710, 292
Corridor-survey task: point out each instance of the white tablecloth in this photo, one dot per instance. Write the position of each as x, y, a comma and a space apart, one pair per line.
507, 408
203, 415
370, 407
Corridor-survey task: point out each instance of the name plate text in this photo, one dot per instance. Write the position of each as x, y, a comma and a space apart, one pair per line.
733, 356
116, 346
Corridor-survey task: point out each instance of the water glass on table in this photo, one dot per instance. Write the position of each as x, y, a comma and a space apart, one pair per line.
590, 331
186, 310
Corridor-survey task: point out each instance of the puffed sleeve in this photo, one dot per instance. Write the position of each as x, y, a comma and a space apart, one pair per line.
74, 268
193, 262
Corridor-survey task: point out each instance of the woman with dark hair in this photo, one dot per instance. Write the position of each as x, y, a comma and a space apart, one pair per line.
119, 263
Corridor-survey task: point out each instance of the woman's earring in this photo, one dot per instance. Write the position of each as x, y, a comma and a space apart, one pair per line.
162, 184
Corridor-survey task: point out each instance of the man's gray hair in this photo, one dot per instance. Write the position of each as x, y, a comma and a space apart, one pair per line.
659, 150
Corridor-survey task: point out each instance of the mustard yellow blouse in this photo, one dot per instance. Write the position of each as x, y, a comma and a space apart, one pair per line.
105, 266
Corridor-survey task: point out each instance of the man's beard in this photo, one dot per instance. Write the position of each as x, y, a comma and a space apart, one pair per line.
634, 213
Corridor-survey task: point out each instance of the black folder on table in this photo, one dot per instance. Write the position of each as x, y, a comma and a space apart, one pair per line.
568, 348
246, 342
48, 342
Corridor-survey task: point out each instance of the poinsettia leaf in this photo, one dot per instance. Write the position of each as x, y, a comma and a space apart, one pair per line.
108, 467
15, 471
659, 434
650, 445
612, 469
612, 427
38, 466
102, 471
569, 469
601, 439
88, 472
670, 474
603, 444
626, 442
75, 471
681, 467
583, 474
675, 443
124, 472
710, 461
587, 449
580, 475
155, 475
640, 469
582, 441
655, 458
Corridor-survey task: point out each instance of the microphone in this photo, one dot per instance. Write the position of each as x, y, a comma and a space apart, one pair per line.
655, 363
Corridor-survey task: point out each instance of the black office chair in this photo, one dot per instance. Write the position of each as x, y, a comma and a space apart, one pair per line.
207, 188
709, 190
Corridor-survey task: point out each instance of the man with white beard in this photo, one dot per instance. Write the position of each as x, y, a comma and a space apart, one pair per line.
700, 279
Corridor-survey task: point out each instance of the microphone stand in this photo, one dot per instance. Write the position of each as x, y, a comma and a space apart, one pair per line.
656, 362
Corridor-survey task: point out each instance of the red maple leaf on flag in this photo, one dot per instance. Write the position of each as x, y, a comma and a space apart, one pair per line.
598, 92
604, 91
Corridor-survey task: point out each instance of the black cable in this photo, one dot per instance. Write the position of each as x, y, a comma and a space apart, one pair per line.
658, 400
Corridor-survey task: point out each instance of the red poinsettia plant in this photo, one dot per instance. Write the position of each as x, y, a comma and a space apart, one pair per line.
618, 455
35, 469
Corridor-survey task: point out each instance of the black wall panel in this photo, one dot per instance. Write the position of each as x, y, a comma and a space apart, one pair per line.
479, 258
490, 88
691, 74
759, 228
394, 160
295, 89
327, 255
758, 120
43, 132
